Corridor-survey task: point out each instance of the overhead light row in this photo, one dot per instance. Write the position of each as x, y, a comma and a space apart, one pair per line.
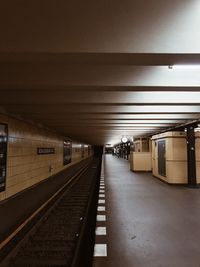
185, 67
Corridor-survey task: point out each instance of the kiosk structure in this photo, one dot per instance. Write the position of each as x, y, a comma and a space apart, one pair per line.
169, 157
140, 158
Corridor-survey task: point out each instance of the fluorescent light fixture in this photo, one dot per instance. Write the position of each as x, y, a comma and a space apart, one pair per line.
185, 67
108, 145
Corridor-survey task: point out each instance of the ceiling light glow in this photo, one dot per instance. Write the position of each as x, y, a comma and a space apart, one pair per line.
185, 67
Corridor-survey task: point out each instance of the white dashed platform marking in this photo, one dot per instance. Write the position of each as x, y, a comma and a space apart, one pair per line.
101, 201
100, 250
101, 191
100, 231
101, 218
101, 208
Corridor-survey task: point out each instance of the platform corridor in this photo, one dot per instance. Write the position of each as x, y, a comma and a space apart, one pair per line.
148, 223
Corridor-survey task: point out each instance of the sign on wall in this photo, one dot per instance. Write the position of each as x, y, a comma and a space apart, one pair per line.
3, 155
45, 150
67, 152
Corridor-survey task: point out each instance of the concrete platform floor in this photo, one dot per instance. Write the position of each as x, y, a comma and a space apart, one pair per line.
149, 223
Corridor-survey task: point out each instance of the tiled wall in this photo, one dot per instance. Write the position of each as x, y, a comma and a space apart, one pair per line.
24, 167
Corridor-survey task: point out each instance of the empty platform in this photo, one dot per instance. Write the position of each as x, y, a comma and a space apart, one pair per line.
148, 223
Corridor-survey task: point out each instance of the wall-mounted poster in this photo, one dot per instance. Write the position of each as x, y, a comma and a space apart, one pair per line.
67, 152
3, 155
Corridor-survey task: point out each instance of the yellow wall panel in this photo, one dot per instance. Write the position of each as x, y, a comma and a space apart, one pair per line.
24, 167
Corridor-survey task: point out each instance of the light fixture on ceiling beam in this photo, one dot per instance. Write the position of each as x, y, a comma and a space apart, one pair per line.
124, 139
184, 67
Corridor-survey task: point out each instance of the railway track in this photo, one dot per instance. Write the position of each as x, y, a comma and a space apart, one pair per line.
63, 236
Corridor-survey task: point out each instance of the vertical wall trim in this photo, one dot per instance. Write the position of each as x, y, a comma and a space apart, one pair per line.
191, 157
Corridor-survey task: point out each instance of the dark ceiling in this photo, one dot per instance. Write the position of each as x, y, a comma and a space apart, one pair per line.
98, 70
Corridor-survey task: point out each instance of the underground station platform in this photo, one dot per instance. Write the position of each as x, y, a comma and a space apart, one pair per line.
138, 220
100, 133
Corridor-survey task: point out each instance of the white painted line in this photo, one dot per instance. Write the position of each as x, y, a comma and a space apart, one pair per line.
101, 195
100, 231
101, 201
101, 191
101, 218
102, 187
100, 250
101, 208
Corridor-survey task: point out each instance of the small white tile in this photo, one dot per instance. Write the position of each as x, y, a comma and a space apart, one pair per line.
101, 195
101, 208
101, 191
101, 201
100, 250
101, 218
100, 231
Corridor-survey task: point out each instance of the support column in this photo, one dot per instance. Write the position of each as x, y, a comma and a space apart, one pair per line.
191, 157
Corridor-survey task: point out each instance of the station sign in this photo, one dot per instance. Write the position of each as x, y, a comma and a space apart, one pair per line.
45, 150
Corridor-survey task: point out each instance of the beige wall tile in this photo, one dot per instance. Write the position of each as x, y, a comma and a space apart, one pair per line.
24, 166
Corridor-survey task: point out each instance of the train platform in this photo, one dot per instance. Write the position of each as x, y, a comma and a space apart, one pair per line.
146, 222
